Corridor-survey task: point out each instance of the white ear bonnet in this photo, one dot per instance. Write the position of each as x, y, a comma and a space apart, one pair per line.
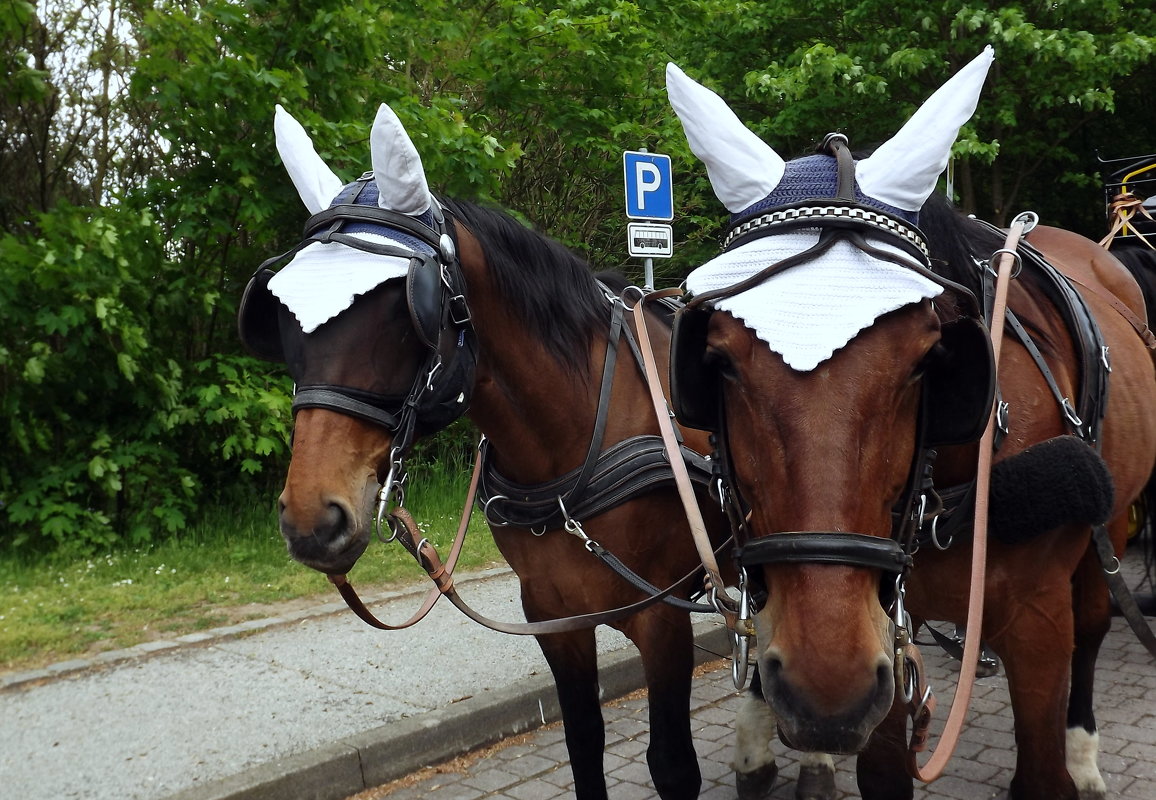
323, 279
809, 311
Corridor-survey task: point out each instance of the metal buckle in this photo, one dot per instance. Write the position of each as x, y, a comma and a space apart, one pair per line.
574, 527
740, 639
390, 496
459, 310
1070, 414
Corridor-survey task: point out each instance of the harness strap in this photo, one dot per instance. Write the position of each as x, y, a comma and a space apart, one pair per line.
348, 212
625, 470
1120, 591
1138, 325
846, 549
603, 412
837, 145
337, 401
725, 605
358, 607
640, 583
1074, 422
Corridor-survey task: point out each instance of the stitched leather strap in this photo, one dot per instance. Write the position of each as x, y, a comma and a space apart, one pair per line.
953, 726
1139, 325
337, 401
826, 547
723, 602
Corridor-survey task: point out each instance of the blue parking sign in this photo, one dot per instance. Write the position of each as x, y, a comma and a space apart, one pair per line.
649, 187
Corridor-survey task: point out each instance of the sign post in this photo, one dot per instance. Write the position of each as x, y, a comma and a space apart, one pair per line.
649, 197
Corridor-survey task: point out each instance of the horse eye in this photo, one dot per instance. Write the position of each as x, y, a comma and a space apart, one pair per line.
720, 362
931, 359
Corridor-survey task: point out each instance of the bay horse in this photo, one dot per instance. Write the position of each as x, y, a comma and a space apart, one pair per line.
833, 347
402, 310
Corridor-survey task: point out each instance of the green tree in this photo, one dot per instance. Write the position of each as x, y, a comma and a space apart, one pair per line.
801, 69
140, 186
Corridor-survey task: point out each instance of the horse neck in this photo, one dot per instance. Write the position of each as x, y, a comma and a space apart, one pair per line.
538, 413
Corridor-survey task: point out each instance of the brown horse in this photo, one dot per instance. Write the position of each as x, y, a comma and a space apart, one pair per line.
377, 372
829, 430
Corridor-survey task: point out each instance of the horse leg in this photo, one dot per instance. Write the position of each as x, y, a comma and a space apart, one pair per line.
665, 642
573, 660
1092, 614
880, 770
754, 759
1033, 641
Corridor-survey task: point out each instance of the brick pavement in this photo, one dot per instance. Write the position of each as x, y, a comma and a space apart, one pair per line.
533, 766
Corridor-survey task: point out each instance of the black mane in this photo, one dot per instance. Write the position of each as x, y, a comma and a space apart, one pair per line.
954, 240
550, 288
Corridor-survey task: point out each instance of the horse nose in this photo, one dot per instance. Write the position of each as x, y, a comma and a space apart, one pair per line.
813, 714
322, 535
326, 522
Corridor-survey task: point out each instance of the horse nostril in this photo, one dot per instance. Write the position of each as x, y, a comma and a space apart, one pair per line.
885, 677
333, 522
326, 523
771, 671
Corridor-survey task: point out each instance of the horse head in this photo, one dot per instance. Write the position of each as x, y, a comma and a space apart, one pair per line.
369, 315
815, 346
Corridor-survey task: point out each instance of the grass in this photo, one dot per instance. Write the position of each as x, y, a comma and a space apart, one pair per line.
231, 567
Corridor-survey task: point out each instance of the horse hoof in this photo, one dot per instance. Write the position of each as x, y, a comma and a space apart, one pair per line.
815, 783
757, 783
988, 664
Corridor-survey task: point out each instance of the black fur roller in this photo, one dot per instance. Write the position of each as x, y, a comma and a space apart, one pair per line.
1056, 482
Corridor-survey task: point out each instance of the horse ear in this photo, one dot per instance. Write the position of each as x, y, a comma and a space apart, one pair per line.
743, 169
397, 168
903, 170
315, 182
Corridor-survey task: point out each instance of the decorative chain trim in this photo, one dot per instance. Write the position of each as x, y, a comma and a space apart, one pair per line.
819, 213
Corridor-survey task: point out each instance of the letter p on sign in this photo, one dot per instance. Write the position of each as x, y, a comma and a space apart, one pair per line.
649, 188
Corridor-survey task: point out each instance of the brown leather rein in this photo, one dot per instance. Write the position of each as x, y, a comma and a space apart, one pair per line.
407, 534
953, 726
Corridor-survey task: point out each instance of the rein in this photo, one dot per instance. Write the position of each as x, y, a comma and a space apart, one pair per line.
441, 577
953, 726
407, 534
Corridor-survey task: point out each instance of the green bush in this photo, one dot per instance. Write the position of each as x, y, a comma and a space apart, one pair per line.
112, 436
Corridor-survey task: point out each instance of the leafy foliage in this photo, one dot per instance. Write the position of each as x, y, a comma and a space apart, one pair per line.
139, 184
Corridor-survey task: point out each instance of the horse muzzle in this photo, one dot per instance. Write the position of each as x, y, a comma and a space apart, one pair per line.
813, 724
326, 536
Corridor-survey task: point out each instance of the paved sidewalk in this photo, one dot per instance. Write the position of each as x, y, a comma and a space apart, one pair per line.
534, 766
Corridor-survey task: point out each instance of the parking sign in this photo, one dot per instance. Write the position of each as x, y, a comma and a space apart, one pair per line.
649, 187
